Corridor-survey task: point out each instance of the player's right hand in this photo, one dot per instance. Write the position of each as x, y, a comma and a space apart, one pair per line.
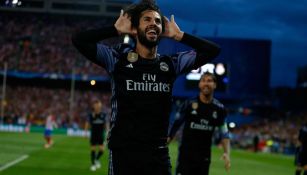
123, 24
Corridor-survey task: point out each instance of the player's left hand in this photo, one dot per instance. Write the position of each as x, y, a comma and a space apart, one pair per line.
226, 159
172, 30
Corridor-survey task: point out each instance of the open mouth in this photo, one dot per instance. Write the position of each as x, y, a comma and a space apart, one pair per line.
152, 33
206, 89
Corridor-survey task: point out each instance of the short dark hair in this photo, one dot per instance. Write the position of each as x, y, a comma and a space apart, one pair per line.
95, 101
208, 74
135, 11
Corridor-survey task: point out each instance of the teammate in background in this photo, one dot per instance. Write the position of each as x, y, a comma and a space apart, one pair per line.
201, 115
97, 122
142, 83
301, 155
49, 125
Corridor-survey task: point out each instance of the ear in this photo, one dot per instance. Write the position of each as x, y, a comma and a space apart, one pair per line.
199, 85
214, 87
134, 32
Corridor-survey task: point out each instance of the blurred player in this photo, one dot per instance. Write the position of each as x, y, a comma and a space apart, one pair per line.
49, 125
301, 155
97, 121
201, 116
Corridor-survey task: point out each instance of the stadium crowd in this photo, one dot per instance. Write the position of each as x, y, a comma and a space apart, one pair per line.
42, 43
275, 136
32, 105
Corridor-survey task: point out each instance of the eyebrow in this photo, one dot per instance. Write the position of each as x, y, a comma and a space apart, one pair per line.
146, 17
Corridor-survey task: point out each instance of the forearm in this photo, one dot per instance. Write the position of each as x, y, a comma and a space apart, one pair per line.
172, 132
205, 50
174, 129
86, 41
86, 126
226, 146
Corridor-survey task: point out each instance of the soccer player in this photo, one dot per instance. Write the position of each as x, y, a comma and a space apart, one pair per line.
142, 82
301, 156
97, 121
49, 125
201, 116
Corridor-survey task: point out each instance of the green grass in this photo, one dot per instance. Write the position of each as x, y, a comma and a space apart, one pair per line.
70, 155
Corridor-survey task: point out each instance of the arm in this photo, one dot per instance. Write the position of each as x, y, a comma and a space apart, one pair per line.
54, 123
86, 126
205, 50
86, 42
226, 154
180, 118
203, 47
300, 135
106, 127
224, 132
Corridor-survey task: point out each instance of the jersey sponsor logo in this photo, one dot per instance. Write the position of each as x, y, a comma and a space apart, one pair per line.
203, 125
98, 121
164, 67
214, 115
148, 84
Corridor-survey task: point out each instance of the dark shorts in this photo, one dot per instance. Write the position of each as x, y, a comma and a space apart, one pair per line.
192, 164
301, 159
96, 140
139, 162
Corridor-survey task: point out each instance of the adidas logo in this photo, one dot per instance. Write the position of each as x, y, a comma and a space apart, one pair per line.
130, 65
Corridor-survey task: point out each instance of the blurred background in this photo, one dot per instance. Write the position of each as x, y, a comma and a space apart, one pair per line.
261, 71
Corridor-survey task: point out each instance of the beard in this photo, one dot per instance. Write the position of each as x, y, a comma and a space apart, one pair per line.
146, 42
206, 91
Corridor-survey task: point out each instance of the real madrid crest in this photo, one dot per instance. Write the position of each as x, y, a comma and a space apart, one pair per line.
214, 114
194, 107
132, 57
164, 67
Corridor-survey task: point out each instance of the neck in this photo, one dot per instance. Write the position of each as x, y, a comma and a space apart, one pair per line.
145, 52
206, 98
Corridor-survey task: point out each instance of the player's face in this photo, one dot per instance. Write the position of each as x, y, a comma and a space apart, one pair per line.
150, 28
207, 85
97, 106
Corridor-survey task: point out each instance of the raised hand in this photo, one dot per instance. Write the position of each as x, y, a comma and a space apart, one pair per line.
172, 30
123, 24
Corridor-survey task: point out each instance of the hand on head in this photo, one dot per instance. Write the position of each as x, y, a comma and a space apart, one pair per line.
123, 24
171, 29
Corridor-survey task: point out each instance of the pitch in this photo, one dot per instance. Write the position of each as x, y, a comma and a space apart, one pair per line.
25, 154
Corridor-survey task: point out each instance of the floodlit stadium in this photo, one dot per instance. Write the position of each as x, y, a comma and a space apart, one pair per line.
48, 83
